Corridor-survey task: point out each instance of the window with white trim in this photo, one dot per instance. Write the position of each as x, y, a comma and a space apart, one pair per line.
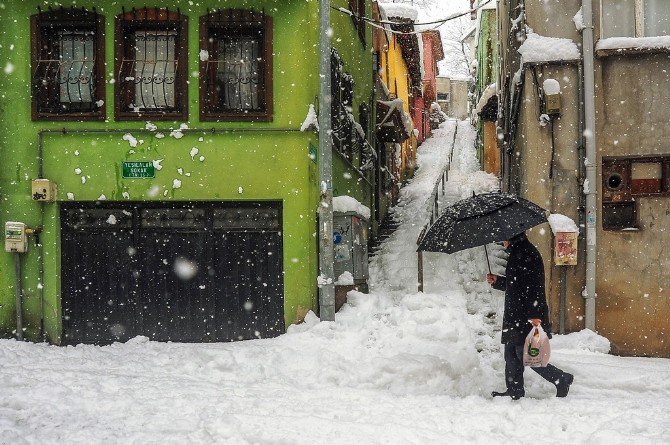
635, 18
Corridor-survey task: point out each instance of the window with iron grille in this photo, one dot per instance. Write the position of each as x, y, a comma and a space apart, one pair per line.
67, 64
151, 65
236, 66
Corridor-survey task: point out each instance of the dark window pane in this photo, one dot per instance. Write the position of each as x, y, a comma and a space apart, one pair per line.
155, 69
76, 66
238, 73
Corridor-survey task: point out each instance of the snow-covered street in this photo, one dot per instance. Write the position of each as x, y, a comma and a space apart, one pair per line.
396, 367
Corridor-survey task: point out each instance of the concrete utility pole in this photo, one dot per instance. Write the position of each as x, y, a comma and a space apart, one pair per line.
326, 279
592, 183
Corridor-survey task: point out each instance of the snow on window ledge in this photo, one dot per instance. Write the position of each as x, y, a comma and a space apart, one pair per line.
632, 45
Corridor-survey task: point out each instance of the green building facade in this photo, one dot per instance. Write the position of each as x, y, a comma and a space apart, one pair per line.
179, 185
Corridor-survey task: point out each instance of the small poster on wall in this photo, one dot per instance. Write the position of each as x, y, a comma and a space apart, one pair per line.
565, 249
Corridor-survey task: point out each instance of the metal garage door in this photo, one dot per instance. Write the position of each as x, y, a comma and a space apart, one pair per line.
189, 272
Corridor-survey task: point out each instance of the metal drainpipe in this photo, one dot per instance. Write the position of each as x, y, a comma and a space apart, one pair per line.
590, 161
19, 297
325, 211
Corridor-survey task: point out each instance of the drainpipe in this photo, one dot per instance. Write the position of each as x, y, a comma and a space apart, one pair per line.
590, 162
326, 272
18, 288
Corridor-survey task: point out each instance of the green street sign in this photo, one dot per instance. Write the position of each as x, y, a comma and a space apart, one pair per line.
138, 169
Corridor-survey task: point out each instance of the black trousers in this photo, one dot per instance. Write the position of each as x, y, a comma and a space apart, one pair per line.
514, 370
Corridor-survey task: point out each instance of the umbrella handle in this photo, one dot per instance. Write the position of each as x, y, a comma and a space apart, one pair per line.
487, 258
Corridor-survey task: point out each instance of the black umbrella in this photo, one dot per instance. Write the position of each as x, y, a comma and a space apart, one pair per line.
480, 220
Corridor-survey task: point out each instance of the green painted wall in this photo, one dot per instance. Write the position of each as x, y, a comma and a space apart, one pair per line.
357, 60
487, 64
253, 161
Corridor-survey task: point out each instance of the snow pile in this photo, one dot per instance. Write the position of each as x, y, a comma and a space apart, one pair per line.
551, 86
620, 43
311, 121
562, 223
345, 279
399, 11
487, 94
348, 204
415, 344
584, 340
537, 48
578, 19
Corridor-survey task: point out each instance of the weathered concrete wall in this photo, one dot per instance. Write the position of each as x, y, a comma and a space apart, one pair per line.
559, 194
633, 303
457, 106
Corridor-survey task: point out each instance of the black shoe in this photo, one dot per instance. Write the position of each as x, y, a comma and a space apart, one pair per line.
506, 394
564, 386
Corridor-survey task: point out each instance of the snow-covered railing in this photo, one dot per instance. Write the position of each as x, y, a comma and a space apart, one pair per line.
434, 206
439, 190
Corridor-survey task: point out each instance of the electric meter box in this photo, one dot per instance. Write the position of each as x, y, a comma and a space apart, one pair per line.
43, 190
553, 104
15, 237
350, 244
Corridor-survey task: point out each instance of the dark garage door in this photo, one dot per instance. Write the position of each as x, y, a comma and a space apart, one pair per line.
191, 272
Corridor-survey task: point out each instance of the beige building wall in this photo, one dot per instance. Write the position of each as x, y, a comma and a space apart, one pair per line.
559, 194
633, 305
632, 116
457, 106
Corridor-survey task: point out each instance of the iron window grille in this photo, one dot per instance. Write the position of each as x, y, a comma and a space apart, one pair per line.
236, 66
67, 55
151, 65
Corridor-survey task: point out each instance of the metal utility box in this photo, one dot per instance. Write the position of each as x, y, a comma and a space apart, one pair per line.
16, 239
350, 243
43, 190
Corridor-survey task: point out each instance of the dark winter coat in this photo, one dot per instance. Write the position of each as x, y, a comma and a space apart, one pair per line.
525, 298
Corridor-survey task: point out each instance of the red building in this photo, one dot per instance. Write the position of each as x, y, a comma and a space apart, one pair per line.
432, 52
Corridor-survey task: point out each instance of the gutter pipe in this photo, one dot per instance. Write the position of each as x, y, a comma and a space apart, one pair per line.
326, 270
18, 288
590, 163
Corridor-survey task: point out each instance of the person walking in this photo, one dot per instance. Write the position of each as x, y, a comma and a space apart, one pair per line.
525, 300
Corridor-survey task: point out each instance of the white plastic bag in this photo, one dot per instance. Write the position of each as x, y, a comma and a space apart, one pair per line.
536, 349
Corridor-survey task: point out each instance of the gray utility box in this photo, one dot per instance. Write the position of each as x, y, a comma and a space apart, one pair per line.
350, 243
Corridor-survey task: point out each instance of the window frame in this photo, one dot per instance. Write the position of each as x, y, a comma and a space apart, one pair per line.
639, 19
149, 19
222, 21
72, 18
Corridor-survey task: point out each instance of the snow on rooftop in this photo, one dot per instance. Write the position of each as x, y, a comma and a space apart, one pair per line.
348, 204
562, 223
399, 10
662, 42
537, 48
